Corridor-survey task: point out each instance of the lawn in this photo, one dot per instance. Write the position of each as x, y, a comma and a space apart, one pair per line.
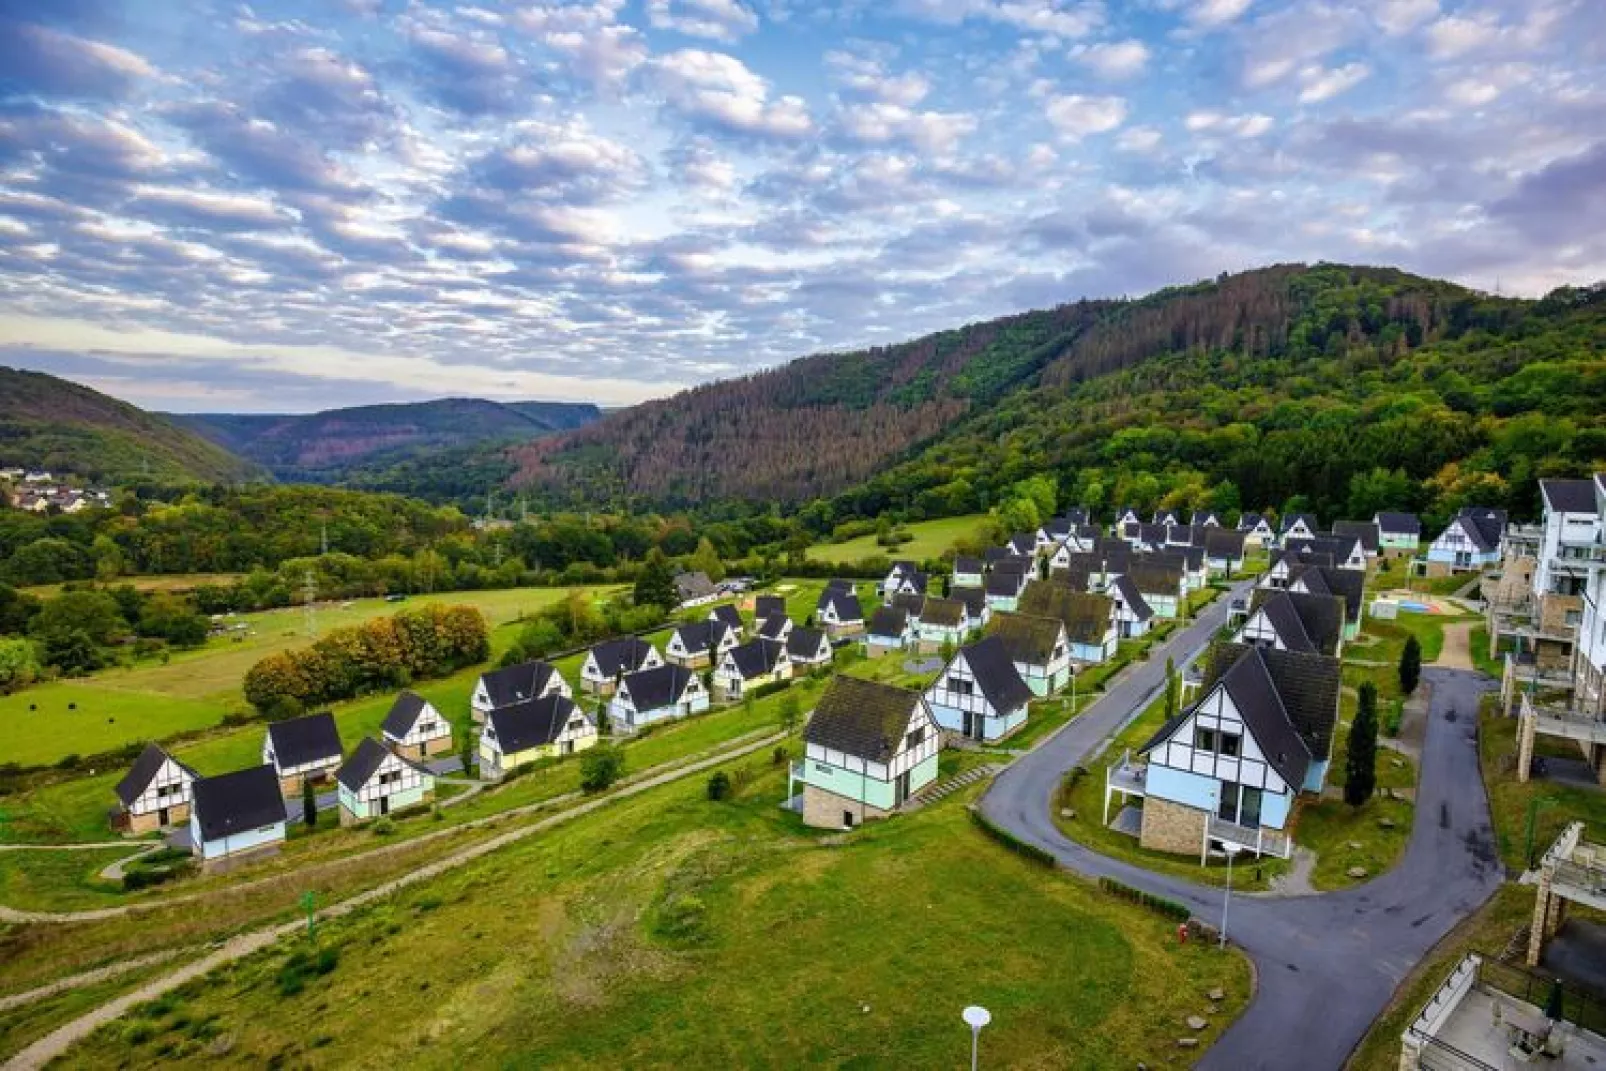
49, 880
154, 582
672, 931
931, 539
195, 689
1384, 641
1511, 799
1478, 642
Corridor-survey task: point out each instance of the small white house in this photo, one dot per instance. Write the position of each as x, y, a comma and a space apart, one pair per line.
303, 749
808, 649
868, 749
545, 728
516, 684
840, 614
414, 729
1039, 647
155, 793
700, 644
751, 665
376, 781
1131, 612
607, 662
657, 694
1257, 530
980, 694
236, 816
889, 631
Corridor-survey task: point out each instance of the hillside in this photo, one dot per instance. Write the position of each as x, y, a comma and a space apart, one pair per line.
50, 423
1284, 384
360, 445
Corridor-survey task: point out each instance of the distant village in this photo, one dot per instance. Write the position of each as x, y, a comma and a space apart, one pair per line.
38, 491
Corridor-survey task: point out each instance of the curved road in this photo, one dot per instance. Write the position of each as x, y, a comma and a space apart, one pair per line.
1328, 963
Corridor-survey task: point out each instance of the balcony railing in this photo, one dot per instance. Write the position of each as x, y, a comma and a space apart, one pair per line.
1127, 775
1258, 839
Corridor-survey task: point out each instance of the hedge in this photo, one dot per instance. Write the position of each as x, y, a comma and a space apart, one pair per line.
1160, 905
1010, 841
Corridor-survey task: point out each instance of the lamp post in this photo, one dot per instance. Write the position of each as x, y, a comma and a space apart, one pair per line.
976, 1017
1226, 901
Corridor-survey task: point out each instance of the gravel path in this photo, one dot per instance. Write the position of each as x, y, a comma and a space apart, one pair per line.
94, 977
1457, 650
57, 1042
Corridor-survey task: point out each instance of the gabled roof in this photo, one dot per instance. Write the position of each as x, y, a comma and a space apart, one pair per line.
1395, 523
1187, 558
974, 598
623, 654
1017, 566
1293, 518
771, 628
1306, 684
1365, 531
1085, 616
653, 688
237, 802
944, 613
1568, 496
990, 663
1347, 584
910, 604
1306, 622
1147, 533
1204, 517
888, 621
902, 566
310, 738
145, 768
965, 564
1022, 543
693, 585
355, 771
1027, 637
1255, 695
726, 615
1166, 517
1124, 589
1249, 521
845, 604
1005, 585
700, 636
1156, 578
1483, 525
1307, 550
752, 659
1224, 543
804, 643
533, 723
768, 606
994, 555
862, 718
404, 714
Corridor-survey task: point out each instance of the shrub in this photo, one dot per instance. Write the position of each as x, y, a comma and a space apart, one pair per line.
1009, 840
682, 918
1160, 905
1396, 715
780, 756
719, 786
384, 827
302, 965
600, 767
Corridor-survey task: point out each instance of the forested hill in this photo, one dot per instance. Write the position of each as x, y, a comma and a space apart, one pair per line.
69, 429
363, 444
1327, 387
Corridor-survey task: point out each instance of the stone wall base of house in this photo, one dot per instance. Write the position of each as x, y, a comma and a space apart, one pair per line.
134, 824
1172, 827
844, 632
1434, 570
691, 662
233, 862
879, 650
291, 786
429, 749
825, 810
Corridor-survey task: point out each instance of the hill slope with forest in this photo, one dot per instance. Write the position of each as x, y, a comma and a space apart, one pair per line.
1328, 387
51, 423
360, 445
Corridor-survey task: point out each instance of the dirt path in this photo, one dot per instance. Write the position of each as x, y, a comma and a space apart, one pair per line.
1457, 650
94, 977
57, 1042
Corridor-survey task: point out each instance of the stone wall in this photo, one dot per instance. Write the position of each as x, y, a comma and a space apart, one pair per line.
823, 810
1172, 827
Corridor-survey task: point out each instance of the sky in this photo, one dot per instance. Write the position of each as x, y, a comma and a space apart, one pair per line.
214, 206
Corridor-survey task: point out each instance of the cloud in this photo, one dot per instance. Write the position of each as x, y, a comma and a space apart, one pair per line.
721, 20
1076, 116
719, 91
1116, 60
881, 124
1057, 18
1238, 126
38, 59
206, 208
866, 79
1321, 84
1212, 14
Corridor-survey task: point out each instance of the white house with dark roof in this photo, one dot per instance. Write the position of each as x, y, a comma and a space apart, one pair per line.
1223, 551
1470, 542
768, 606
1257, 530
545, 728
1003, 589
968, 572
1166, 518
302, 749
700, 643
1040, 646
235, 817
376, 781
868, 749
1205, 518
729, 616
608, 661
1124, 516
893, 581
1298, 526
516, 684
695, 589
941, 621
980, 694
808, 649
889, 631
776, 627
1346, 552
653, 695
154, 794
1294, 621
750, 665
839, 612
1129, 611
1397, 533
414, 729
1365, 531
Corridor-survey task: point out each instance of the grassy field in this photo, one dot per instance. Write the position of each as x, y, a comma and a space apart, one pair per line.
1384, 641
159, 582
1511, 799
195, 689
669, 930
931, 539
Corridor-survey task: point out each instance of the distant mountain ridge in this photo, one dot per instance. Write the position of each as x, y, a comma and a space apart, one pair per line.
359, 444
51, 423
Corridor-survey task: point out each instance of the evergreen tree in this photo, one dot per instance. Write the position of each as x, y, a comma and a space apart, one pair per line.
309, 803
1410, 665
468, 753
656, 584
1360, 761
1172, 690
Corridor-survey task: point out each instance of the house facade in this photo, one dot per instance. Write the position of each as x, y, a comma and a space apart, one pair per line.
654, 695
941, 621
545, 728
1257, 530
1039, 647
700, 644
607, 662
889, 631
303, 749
516, 684
154, 794
414, 729
376, 781
840, 614
868, 748
236, 817
808, 649
980, 695
1398, 534
1469, 543
750, 665
1130, 611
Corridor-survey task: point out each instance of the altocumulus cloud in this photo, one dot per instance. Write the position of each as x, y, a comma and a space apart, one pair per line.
309, 202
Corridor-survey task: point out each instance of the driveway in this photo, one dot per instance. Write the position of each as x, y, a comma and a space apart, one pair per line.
1326, 964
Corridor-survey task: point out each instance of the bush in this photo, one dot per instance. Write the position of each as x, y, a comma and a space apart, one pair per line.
600, 767
767, 689
301, 966
1410, 665
384, 827
1392, 720
719, 786
780, 756
1009, 840
682, 918
1160, 905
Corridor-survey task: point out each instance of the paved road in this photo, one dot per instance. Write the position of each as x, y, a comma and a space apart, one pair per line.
1327, 964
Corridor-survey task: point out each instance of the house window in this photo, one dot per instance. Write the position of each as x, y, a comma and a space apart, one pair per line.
1229, 745
847, 819
1204, 739
916, 738
823, 768
961, 685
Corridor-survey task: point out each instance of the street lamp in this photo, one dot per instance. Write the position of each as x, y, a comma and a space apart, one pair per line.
976, 1017
1232, 850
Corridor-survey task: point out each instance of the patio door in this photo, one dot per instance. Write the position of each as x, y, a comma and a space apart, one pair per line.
1249, 810
900, 789
1227, 811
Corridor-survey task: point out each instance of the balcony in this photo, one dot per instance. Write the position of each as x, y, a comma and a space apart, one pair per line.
1257, 839
1127, 775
